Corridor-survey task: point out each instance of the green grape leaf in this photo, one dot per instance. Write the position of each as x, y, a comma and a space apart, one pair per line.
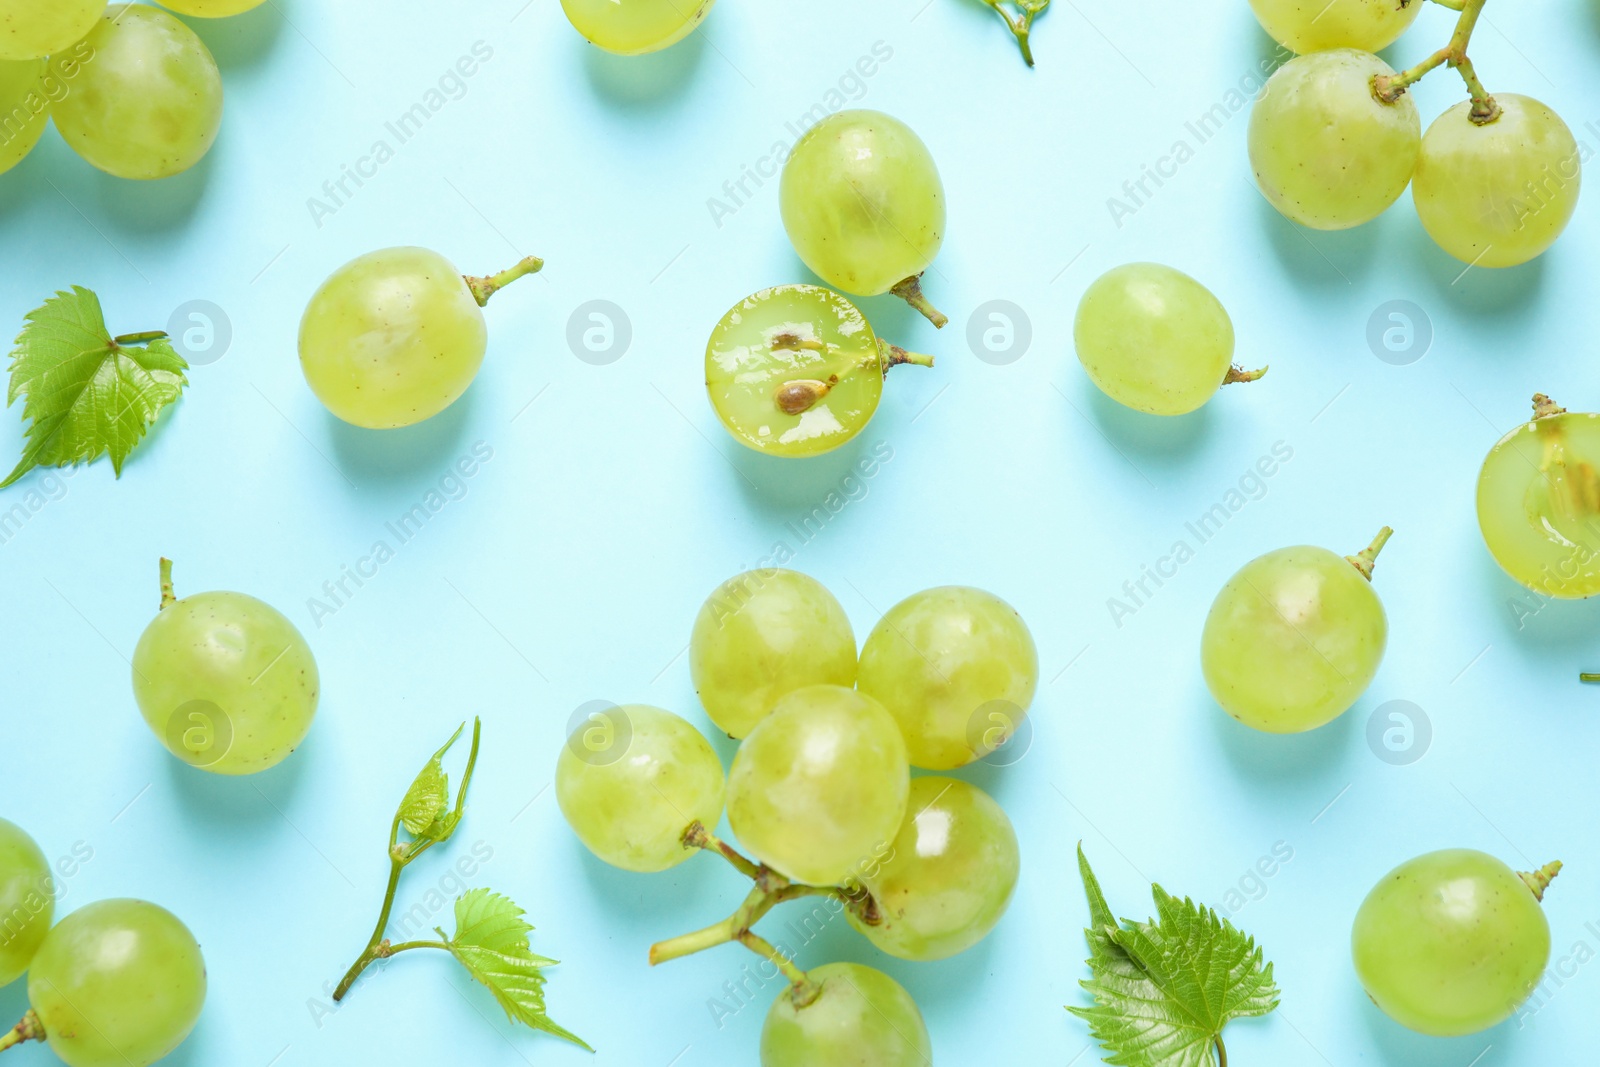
1164, 989
87, 394
491, 942
426, 801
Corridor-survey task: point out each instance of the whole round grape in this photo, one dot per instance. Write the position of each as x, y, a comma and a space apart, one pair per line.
863, 205
1154, 339
797, 371
1539, 502
1452, 942
33, 29
860, 1017
1319, 25
27, 900
24, 109
762, 635
1326, 151
632, 779
225, 681
634, 27
147, 103
949, 877
818, 789
957, 668
1499, 194
1295, 638
212, 9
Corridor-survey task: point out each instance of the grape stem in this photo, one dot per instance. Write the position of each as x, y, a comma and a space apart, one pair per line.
133, 340
485, 287
799, 395
1222, 1052
1369, 555
1238, 374
910, 291
1021, 23
1544, 407
29, 1029
168, 597
1390, 87
1538, 881
1586, 677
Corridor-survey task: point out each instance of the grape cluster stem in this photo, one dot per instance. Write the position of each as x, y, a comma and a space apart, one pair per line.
1390, 87
29, 1029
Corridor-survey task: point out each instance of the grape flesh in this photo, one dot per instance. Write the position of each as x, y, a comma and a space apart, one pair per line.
27, 900
762, 635
1153, 338
1320, 25
1500, 194
24, 112
860, 1018
632, 780
949, 877
146, 102
1450, 943
957, 668
212, 9
818, 790
33, 29
634, 27
118, 983
1326, 151
1539, 504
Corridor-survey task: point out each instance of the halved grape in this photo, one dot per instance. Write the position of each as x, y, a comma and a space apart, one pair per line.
27, 900
1320, 25
634, 27
858, 1017
33, 29
24, 109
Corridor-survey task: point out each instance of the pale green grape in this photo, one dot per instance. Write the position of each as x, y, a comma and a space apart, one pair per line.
1155, 339
762, 635
634, 27
1327, 152
1539, 503
957, 668
1452, 942
1295, 638
33, 29
632, 780
860, 1017
24, 110
226, 682
797, 371
118, 983
863, 205
143, 97
212, 9
1499, 194
818, 789
950, 874
1320, 25
27, 900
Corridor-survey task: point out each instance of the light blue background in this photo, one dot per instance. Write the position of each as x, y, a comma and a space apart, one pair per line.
572, 568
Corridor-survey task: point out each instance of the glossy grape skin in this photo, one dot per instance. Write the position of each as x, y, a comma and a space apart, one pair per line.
21, 93
1450, 943
212, 9
1500, 194
860, 1018
634, 27
631, 810
236, 677
818, 789
33, 29
951, 664
1326, 152
118, 983
27, 900
147, 103
1319, 25
862, 202
1153, 338
950, 875
392, 338
1293, 640
1539, 504
762, 635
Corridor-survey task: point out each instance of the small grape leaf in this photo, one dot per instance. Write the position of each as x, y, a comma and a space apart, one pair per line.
491, 942
87, 394
1164, 989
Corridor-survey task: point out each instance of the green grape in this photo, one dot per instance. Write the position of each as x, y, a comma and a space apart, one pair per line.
857, 1017
27, 900
1295, 637
950, 875
33, 29
1155, 339
396, 336
212, 9
1327, 152
225, 681
957, 668
634, 27
1452, 942
762, 635
818, 789
1319, 25
1499, 194
632, 779
1539, 499
797, 371
24, 112
146, 101
864, 207
118, 983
